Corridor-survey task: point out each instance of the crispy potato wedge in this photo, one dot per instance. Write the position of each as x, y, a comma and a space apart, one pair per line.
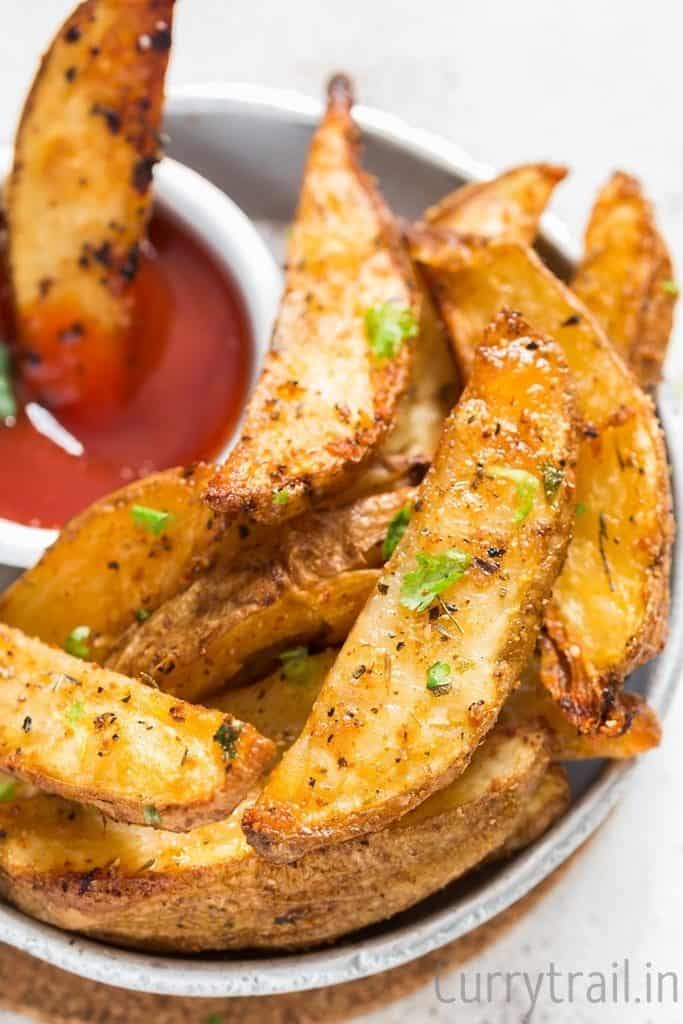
414, 690
508, 206
305, 585
331, 384
132, 752
626, 278
542, 808
532, 704
79, 199
107, 570
610, 604
208, 889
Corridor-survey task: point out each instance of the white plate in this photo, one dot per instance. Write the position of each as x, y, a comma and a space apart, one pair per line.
252, 141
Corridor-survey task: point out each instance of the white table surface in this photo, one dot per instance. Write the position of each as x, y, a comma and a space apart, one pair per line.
592, 83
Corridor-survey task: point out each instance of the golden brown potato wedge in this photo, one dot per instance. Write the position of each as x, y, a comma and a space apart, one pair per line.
442, 641
342, 348
306, 584
208, 889
542, 807
609, 607
79, 198
132, 752
626, 278
111, 566
508, 206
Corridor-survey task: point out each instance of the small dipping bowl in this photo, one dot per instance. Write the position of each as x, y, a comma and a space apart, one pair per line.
235, 243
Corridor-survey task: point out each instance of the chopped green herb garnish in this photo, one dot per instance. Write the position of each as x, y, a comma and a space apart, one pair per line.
8, 788
142, 614
552, 478
77, 642
437, 678
8, 403
227, 736
296, 665
527, 487
433, 575
150, 518
281, 497
581, 509
74, 711
214, 1019
152, 816
670, 287
387, 327
397, 527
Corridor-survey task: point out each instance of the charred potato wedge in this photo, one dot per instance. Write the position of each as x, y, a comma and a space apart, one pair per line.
508, 206
609, 608
208, 890
626, 278
306, 584
79, 199
443, 639
135, 754
342, 347
111, 567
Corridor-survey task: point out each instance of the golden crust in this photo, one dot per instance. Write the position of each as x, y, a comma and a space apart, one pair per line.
79, 197
609, 608
373, 746
303, 585
324, 401
626, 277
132, 752
508, 206
208, 890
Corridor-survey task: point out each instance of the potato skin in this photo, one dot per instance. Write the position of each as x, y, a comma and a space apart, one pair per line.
208, 890
79, 199
305, 584
609, 608
373, 746
134, 753
324, 401
625, 277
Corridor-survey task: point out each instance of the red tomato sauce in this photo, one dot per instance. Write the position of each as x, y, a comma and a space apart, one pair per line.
193, 357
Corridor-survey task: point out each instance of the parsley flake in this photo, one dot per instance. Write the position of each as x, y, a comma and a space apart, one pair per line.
581, 509
281, 497
151, 519
74, 711
526, 485
434, 573
670, 287
142, 614
8, 403
387, 327
8, 788
227, 736
152, 816
437, 678
296, 665
552, 478
77, 644
397, 527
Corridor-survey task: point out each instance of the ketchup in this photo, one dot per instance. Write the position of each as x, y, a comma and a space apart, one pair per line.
192, 357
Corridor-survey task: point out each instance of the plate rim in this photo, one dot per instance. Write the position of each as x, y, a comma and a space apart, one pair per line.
295, 972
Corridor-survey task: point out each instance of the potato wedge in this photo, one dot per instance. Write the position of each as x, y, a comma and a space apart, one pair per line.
342, 348
134, 753
626, 278
609, 608
542, 808
305, 585
79, 199
208, 889
507, 207
107, 570
414, 690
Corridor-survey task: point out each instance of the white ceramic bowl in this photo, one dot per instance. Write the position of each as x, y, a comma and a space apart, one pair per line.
235, 242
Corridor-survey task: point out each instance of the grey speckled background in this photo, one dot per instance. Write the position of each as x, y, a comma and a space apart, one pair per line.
595, 84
